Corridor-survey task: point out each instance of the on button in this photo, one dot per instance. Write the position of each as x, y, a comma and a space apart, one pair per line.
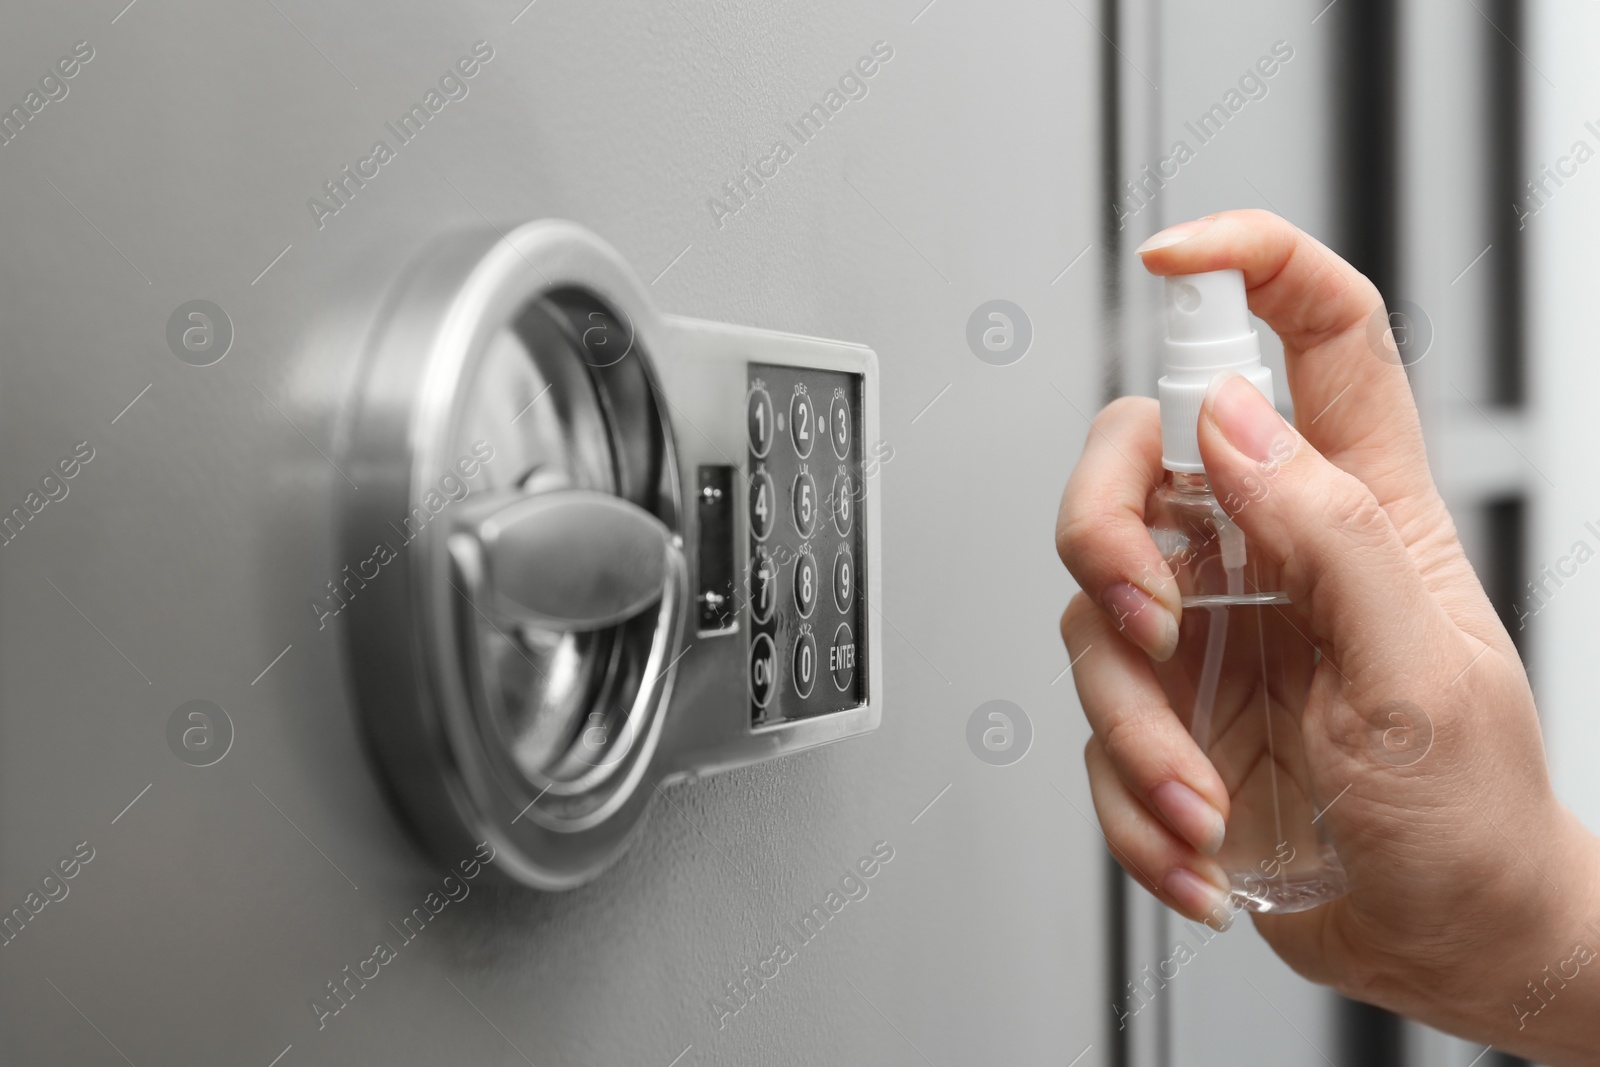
763, 670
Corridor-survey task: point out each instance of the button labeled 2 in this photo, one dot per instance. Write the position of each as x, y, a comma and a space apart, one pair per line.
802, 422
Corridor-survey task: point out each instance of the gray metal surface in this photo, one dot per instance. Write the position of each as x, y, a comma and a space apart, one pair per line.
182, 558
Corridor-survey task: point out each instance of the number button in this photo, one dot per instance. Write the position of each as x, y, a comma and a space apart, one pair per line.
763, 670
802, 423
844, 503
842, 657
805, 504
763, 585
763, 498
844, 579
805, 663
759, 414
805, 583
839, 426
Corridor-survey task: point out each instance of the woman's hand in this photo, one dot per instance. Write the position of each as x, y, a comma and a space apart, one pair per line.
1468, 879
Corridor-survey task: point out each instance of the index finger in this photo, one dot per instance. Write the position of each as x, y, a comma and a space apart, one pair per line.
1352, 398
1100, 530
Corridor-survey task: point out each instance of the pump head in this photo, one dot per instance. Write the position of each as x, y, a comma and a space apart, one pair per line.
1208, 331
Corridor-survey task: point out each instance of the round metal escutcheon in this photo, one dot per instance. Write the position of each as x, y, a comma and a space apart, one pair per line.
516, 536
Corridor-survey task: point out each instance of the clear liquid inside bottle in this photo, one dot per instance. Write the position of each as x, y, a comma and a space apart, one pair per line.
1240, 681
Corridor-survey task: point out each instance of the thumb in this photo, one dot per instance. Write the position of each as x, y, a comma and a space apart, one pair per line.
1336, 552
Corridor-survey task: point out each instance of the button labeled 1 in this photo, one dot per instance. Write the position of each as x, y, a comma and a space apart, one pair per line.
758, 412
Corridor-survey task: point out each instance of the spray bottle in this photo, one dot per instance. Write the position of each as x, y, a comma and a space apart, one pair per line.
1242, 673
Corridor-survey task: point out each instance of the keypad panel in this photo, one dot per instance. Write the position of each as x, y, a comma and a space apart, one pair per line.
805, 493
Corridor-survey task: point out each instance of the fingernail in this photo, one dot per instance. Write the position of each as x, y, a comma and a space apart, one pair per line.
1144, 620
1198, 898
1249, 423
1187, 812
1173, 234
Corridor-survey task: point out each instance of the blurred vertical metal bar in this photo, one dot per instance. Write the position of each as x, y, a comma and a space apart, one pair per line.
1130, 54
1506, 100
1116, 884
1507, 519
1366, 131
1111, 120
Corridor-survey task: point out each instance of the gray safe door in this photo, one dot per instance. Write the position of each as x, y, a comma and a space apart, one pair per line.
212, 211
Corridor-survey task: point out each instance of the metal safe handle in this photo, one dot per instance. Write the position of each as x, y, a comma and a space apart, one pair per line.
572, 560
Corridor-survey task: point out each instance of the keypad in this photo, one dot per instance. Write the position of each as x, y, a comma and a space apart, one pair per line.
804, 506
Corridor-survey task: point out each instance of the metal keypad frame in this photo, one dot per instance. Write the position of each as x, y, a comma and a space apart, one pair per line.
484, 670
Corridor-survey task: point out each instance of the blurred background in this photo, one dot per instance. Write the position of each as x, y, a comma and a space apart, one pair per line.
1011, 151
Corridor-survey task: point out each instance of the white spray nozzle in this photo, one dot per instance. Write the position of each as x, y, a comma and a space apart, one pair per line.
1208, 331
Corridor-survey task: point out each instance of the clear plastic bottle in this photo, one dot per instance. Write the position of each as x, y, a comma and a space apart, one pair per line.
1241, 675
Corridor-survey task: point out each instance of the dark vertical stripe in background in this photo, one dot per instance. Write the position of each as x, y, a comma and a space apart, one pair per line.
1506, 531
1367, 151
1505, 77
1111, 250
1366, 103
1116, 884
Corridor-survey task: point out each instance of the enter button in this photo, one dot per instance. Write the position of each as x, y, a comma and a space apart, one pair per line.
842, 657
